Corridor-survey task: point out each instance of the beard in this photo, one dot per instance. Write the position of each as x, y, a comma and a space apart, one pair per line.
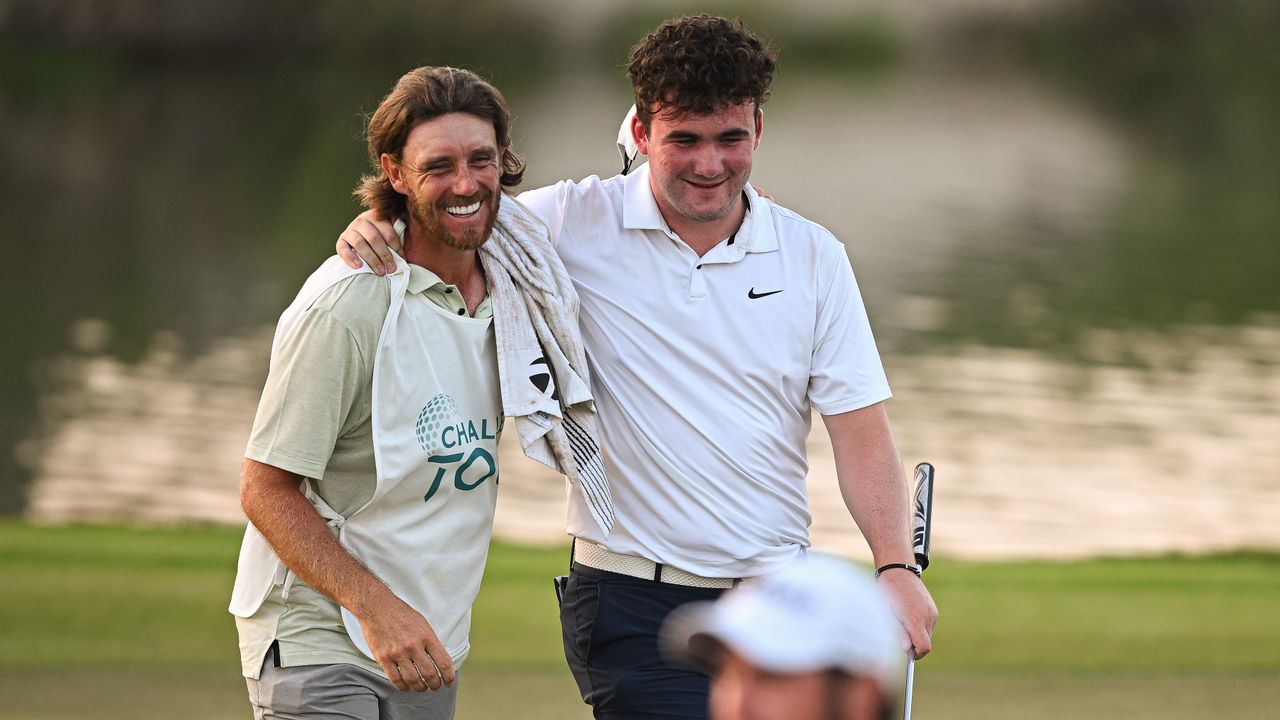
430, 217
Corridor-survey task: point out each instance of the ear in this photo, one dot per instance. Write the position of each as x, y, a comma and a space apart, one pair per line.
759, 126
392, 169
640, 135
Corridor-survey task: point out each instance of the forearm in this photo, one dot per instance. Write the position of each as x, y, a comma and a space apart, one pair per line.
874, 487
301, 538
401, 639
872, 483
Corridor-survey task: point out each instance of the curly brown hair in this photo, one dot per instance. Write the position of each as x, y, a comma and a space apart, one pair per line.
699, 64
419, 95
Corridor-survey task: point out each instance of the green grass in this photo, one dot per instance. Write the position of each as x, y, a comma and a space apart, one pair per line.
78, 598
1153, 614
111, 622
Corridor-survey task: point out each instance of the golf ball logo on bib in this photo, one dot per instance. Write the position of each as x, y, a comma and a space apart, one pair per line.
438, 414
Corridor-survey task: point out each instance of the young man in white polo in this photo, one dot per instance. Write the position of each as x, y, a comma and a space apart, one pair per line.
714, 320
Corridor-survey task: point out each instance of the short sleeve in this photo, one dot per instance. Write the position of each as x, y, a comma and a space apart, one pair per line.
549, 203
845, 372
319, 374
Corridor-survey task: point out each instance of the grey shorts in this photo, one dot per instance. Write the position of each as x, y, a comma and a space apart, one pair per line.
341, 692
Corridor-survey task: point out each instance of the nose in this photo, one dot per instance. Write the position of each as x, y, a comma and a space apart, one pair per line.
709, 162
465, 182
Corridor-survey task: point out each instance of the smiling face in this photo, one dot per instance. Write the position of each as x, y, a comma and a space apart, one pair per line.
450, 172
699, 163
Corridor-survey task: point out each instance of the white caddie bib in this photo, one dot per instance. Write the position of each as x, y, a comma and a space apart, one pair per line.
436, 418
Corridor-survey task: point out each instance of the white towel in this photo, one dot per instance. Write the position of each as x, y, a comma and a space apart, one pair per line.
542, 364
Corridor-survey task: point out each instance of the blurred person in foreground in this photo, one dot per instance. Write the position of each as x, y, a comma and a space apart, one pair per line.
814, 641
370, 477
714, 320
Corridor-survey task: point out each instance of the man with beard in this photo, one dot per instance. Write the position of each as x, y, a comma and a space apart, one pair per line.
360, 566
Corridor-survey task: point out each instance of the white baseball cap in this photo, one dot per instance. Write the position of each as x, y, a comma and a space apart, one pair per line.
819, 613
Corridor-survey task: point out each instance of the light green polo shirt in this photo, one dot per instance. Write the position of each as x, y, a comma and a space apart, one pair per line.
315, 419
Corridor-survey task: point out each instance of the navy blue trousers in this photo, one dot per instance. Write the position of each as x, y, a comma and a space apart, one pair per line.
610, 626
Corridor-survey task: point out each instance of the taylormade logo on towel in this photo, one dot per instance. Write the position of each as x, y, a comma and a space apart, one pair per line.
450, 440
540, 376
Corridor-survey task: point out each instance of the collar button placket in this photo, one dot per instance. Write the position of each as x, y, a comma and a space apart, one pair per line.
697, 282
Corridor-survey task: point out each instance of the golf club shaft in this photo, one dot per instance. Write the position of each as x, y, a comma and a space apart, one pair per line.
911, 676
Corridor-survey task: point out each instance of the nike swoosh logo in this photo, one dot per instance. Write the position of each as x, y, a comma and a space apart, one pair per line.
752, 294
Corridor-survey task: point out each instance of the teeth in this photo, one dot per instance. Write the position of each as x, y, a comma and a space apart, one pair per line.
464, 209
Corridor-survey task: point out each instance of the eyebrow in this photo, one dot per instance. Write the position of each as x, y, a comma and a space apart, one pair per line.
443, 161
734, 134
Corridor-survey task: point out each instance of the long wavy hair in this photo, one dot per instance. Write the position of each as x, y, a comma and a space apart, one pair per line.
422, 94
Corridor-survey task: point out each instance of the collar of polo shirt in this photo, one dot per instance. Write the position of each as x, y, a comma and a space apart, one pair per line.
640, 212
443, 295
422, 279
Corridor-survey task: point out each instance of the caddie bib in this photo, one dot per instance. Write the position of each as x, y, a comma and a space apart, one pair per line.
436, 416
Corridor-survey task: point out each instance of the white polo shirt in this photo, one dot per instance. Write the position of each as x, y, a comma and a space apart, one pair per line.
705, 369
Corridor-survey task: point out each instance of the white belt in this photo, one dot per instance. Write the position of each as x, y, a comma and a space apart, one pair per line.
597, 556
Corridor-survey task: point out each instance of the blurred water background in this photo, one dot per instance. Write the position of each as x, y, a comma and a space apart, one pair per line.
1063, 216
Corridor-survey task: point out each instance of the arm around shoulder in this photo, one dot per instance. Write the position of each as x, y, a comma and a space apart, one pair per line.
370, 239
